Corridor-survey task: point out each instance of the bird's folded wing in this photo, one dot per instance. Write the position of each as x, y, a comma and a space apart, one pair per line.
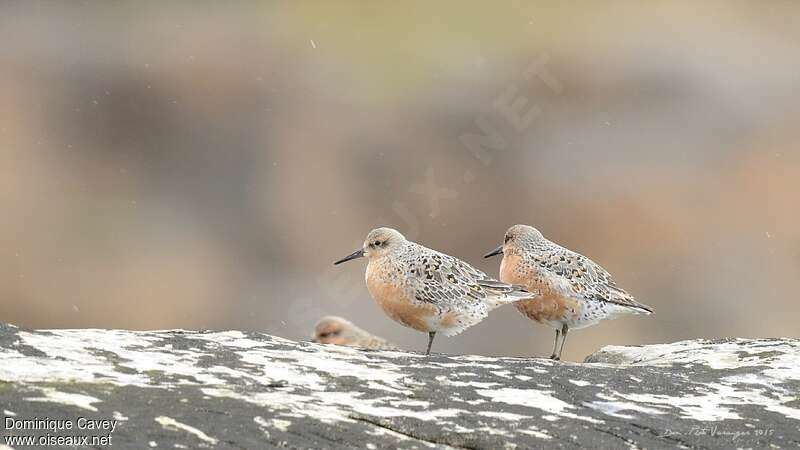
584, 278
438, 278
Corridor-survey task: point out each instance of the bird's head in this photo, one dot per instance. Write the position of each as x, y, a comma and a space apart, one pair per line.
516, 238
379, 242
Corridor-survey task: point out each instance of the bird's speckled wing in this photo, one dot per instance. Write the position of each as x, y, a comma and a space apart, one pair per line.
438, 278
585, 278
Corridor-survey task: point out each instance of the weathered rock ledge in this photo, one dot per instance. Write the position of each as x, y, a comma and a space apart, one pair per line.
186, 389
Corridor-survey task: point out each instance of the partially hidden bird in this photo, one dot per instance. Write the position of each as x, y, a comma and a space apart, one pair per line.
338, 331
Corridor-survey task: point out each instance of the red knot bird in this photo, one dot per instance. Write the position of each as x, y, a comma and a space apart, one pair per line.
339, 331
574, 291
427, 290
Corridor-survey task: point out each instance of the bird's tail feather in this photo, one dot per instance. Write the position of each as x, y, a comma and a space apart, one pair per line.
504, 293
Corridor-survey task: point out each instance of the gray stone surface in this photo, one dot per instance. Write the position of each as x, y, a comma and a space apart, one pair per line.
186, 389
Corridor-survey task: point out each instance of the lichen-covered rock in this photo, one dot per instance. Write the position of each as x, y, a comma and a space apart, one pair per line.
182, 389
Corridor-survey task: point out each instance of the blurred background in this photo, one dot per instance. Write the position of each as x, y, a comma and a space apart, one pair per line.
201, 164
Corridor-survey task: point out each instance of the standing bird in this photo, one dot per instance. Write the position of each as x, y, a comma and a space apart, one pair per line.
574, 291
338, 331
427, 290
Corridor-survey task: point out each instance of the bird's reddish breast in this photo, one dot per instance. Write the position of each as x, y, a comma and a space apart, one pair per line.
550, 305
511, 270
392, 296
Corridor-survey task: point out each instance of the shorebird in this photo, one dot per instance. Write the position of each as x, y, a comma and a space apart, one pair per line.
574, 291
427, 290
339, 331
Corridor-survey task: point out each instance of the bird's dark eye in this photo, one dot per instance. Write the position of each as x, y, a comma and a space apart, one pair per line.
377, 243
324, 335
508, 238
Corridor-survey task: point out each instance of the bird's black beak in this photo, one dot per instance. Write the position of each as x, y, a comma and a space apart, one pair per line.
495, 252
355, 255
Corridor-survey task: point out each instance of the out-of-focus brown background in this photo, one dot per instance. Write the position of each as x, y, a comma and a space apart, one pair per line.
202, 164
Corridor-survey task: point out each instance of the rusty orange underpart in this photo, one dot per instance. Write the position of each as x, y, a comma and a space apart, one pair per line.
550, 306
396, 304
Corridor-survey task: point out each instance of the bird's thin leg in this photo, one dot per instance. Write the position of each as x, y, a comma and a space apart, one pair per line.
431, 335
555, 345
564, 331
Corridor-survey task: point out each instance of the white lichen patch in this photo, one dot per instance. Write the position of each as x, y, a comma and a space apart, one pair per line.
615, 408
282, 425
10, 354
423, 415
171, 424
73, 355
410, 403
336, 361
770, 384
502, 415
264, 425
502, 374
446, 380
781, 358
380, 431
535, 433
400, 354
714, 402
51, 395
532, 398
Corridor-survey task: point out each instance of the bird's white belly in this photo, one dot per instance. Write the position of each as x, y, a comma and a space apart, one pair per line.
594, 312
457, 318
